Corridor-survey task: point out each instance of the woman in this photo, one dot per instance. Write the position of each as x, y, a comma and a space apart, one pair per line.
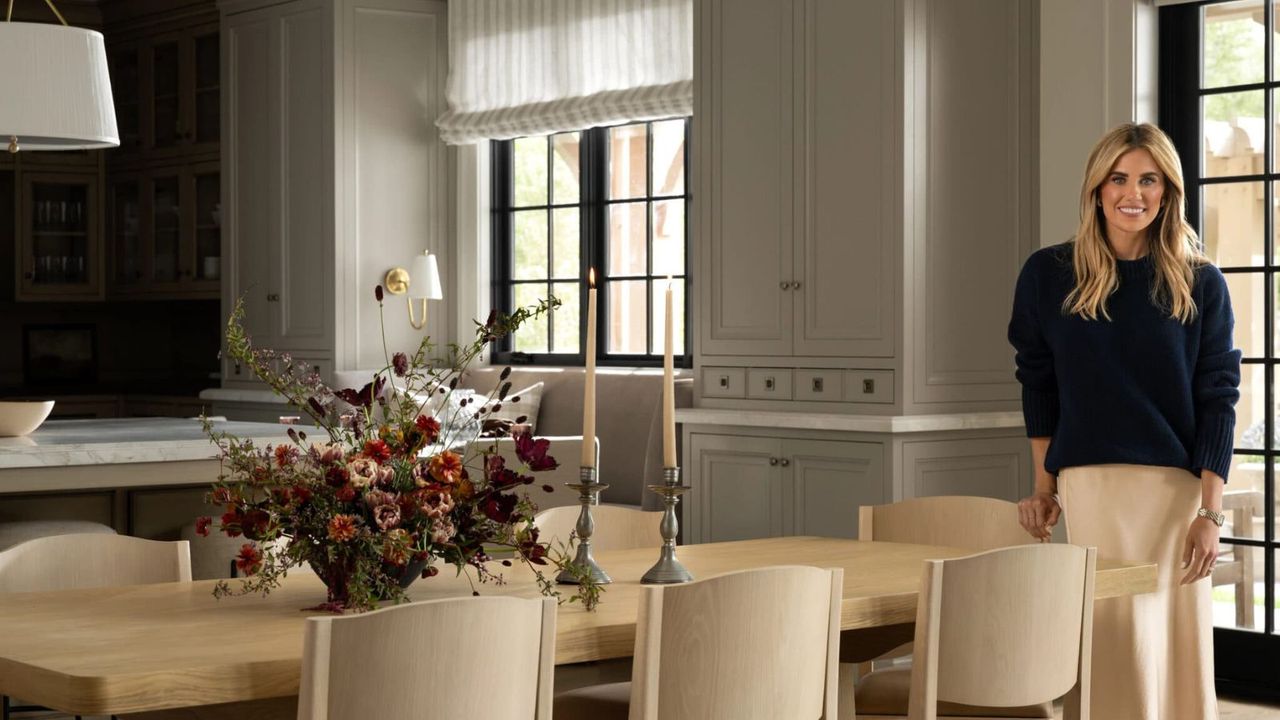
1129, 382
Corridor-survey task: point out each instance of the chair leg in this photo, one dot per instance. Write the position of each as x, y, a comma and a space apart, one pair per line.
4, 707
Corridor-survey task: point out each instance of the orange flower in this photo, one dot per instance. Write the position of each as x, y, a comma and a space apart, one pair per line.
285, 455
446, 467
342, 528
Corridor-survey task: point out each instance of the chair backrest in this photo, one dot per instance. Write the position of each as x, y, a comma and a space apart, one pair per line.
422, 660
616, 527
977, 523
1005, 627
756, 643
65, 562
566, 449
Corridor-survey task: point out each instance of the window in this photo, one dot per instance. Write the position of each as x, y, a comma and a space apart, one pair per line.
1218, 84
615, 199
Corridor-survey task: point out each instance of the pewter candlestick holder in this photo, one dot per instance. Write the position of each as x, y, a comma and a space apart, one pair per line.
668, 569
588, 487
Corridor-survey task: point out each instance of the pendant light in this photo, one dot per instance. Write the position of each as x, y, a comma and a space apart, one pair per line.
55, 93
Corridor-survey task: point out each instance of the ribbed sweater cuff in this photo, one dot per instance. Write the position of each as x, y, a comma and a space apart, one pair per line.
1213, 443
1040, 411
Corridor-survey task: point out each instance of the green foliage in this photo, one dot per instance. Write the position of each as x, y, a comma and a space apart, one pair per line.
1233, 55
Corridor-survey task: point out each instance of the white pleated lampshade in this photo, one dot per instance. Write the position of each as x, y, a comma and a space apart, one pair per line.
424, 278
55, 92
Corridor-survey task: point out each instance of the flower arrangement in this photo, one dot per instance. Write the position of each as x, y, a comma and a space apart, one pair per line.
389, 493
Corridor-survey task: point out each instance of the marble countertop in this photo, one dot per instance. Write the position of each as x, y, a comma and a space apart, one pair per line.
60, 443
850, 423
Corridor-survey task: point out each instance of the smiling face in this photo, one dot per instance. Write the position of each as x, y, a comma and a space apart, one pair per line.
1131, 196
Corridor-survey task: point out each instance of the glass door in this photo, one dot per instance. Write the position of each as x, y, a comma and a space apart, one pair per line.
126, 91
125, 228
207, 87
206, 224
59, 247
166, 229
1218, 89
166, 92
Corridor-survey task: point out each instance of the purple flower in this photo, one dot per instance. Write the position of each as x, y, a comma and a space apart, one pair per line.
534, 452
377, 293
400, 363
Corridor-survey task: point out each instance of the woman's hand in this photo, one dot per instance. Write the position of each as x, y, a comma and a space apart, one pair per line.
1200, 551
1038, 514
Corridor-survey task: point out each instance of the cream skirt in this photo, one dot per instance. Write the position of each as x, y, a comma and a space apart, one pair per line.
1153, 653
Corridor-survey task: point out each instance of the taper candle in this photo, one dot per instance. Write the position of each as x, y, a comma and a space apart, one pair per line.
669, 390
589, 381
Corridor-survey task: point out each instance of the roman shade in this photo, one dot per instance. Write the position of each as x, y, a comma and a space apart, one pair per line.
532, 67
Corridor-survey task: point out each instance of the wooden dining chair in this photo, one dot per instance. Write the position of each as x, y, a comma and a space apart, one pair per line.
998, 634
66, 562
616, 527
977, 523
751, 644
973, 523
421, 661
88, 560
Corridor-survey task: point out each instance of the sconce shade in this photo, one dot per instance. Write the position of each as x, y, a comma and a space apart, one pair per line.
55, 93
424, 278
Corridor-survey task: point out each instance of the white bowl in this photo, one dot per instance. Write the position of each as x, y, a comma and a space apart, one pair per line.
20, 417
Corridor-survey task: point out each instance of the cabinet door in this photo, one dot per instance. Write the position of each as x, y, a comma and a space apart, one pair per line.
165, 85
163, 207
126, 92
202, 251
829, 481
744, 162
251, 168
203, 82
847, 139
304, 246
737, 488
59, 249
124, 227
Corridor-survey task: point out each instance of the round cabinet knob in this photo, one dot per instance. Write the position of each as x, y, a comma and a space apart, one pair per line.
273, 297
795, 285
773, 461
785, 285
786, 462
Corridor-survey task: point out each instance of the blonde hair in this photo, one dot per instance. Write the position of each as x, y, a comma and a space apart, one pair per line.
1172, 243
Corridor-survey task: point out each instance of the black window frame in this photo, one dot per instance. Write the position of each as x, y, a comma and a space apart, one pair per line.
1245, 660
593, 207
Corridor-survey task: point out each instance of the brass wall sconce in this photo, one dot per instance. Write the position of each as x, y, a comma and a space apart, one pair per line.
420, 282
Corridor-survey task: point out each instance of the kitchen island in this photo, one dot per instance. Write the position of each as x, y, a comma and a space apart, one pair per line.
117, 471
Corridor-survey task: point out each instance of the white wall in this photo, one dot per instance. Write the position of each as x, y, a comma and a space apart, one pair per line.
1097, 69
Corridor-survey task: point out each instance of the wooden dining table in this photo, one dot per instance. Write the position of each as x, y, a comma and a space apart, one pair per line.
151, 647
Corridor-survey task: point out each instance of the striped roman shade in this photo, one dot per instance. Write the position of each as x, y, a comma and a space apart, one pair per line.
531, 67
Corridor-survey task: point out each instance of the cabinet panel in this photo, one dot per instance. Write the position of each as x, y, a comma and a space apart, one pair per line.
748, 177
306, 133
737, 492
830, 481
844, 256
253, 169
979, 136
990, 467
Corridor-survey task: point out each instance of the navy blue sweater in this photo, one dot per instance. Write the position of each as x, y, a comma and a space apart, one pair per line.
1141, 388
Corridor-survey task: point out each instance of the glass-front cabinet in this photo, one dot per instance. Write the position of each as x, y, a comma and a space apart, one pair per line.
124, 197
165, 229
59, 249
166, 92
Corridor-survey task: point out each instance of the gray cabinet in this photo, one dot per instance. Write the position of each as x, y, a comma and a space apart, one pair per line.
279, 170
332, 170
749, 487
796, 125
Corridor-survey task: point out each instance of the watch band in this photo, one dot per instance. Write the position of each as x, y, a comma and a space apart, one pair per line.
1217, 517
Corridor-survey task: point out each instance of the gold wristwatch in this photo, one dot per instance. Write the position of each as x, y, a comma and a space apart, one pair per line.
1217, 517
